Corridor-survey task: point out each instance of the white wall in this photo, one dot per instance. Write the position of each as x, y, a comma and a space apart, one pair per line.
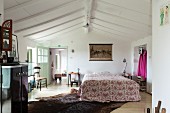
1, 11
23, 43
79, 41
161, 58
53, 59
148, 42
63, 60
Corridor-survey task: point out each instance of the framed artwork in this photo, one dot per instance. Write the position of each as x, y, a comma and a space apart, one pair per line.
6, 36
13, 52
165, 14
100, 52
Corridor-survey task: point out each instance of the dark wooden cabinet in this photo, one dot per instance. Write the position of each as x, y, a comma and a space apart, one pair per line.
19, 89
15, 79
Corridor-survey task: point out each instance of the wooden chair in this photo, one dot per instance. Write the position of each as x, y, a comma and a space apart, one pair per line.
74, 78
157, 109
39, 81
58, 76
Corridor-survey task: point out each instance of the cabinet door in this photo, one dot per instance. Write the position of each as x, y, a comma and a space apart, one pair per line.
24, 87
20, 89
16, 103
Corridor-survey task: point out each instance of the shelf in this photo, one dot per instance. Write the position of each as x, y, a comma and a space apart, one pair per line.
9, 64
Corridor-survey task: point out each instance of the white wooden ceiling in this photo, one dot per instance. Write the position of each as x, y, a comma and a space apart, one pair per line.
47, 19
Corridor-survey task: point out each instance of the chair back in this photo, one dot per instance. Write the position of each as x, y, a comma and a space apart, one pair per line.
74, 78
37, 71
157, 109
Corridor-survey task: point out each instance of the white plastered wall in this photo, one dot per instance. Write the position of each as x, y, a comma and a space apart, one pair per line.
160, 57
1, 11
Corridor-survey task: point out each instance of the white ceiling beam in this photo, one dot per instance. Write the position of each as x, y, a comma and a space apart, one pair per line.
88, 12
22, 5
119, 28
48, 11
59, 33
112, 34
111, 31
120, 33
52, 21
55, 28
122, 22
138, 6
124, 13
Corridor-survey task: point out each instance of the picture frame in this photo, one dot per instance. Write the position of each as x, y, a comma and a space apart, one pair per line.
164, 18
100, 52
6, 36
13, 52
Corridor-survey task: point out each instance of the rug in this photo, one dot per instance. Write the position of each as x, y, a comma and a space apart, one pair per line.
70, 103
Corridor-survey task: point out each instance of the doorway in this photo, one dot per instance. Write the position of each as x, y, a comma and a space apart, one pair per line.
59, 63
140, 65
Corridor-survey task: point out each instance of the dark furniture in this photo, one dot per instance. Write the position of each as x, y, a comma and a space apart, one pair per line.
58, 76
41, 81
15, 81
74, 78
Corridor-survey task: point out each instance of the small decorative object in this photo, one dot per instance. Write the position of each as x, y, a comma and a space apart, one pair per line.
6, 34
124, 61
100, 52
72, 50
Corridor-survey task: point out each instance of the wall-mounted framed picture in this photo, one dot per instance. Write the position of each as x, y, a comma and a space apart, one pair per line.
6, 35
100, 52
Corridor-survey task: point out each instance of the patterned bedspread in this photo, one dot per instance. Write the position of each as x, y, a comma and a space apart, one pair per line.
105, 87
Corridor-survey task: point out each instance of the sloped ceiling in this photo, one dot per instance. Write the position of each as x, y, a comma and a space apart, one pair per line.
41, 20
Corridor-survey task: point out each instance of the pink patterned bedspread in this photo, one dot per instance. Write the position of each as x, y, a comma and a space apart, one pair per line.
105, 87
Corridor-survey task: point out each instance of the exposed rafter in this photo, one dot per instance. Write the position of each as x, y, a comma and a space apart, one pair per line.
89, 4
62, 24
120, 28
49, 21
22, 5
48, 11
62, 30
111, 4
114, 30
112, 34
122, 22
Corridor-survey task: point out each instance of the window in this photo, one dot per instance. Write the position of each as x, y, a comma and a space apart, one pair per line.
42, 55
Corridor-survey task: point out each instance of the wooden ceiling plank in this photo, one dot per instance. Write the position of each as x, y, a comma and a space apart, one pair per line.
122, 22
121, 28
139, 6
49, 21
20, 6
49, 10
75, 26
118, 31
113, 35
67, 30
123, 13
75, 21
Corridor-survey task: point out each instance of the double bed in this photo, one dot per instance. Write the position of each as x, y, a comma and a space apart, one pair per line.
106, 87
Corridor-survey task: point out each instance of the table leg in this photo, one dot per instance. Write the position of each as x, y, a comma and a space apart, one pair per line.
40, 85
46, 82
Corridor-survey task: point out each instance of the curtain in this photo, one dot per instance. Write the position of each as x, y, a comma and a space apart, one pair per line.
142, 65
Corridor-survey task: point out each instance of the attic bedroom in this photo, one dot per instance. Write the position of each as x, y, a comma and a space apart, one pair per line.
86, 50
